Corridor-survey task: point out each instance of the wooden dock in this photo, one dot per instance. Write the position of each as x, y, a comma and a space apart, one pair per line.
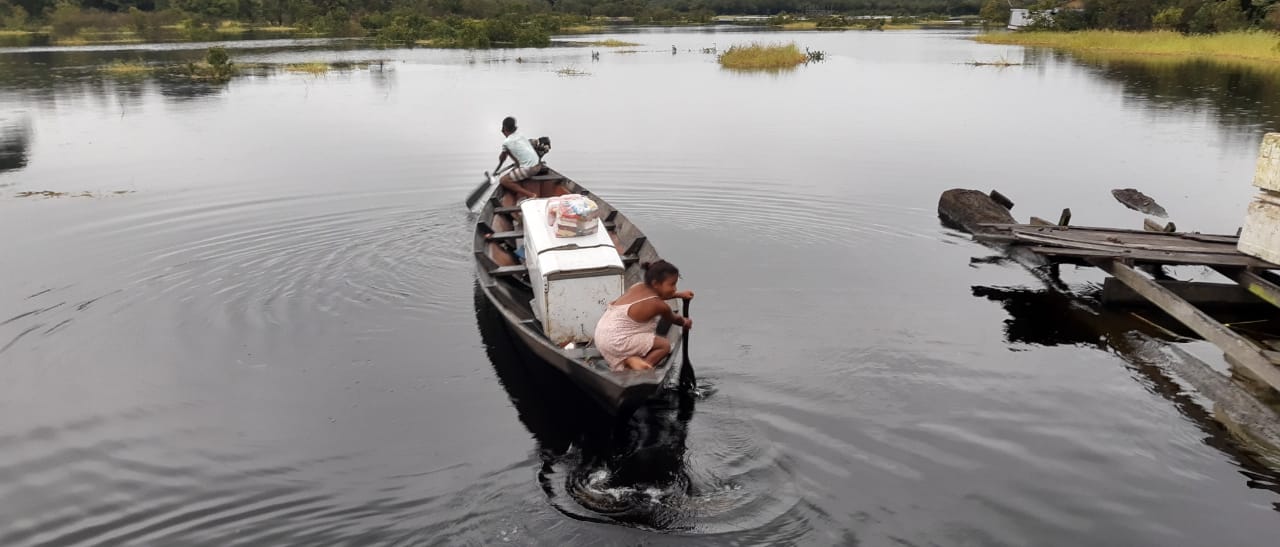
1121, 252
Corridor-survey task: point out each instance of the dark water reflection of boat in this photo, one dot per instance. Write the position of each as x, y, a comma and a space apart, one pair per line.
626, 469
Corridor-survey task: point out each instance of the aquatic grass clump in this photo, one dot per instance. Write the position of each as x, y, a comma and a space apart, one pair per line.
1253, 45
315, 69
126, 68
611, 43
761, 56
570, 71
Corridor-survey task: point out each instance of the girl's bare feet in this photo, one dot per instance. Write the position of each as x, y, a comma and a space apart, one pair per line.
636, 363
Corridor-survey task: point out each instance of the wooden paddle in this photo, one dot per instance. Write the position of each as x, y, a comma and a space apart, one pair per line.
483, 188
684, 349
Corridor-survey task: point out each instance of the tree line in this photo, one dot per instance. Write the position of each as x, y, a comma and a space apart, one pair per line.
292, 12
1186, 16
479, 23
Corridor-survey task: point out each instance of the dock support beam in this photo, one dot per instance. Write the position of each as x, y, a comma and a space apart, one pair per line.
1260, 286
1239, 349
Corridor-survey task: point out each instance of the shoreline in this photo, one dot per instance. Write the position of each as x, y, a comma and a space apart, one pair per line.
1248, 46
232, 31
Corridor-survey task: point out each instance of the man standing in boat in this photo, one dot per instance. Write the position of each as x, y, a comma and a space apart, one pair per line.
517, 147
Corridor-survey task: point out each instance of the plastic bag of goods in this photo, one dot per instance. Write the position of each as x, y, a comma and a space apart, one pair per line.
572, 215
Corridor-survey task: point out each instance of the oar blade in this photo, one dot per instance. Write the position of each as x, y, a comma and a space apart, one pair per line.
480, 191
686, 367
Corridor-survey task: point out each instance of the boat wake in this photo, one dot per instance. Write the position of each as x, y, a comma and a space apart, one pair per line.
659, 468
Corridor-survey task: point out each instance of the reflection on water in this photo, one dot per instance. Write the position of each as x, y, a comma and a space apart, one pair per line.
1051, 318
1048, 317
157, 36
1239, 95
49, 77
15, 140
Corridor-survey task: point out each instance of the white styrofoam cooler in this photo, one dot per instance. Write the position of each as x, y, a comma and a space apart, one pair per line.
573, 278
1260, 235
1267, 174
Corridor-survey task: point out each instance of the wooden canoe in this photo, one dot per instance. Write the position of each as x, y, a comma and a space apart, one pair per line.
510, 291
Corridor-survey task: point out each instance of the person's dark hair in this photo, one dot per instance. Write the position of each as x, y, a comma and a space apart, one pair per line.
509, 124
657, 272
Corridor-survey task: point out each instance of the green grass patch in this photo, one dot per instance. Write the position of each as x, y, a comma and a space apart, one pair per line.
1245, 45
127, 68
9, 32
761, 56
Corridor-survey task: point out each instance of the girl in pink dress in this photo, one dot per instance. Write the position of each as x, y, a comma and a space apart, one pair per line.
626, 334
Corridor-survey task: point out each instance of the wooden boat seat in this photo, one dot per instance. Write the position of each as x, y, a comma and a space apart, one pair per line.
557, 178
519, 269
506, 236
590, 355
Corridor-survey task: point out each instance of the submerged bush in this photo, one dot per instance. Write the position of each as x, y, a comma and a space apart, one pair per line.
217, 66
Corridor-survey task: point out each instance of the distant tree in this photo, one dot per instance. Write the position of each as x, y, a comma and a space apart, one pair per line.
1124, 14
1168, 19
995, 11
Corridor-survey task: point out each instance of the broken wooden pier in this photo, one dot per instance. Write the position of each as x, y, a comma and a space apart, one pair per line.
1127, 255
1120, 252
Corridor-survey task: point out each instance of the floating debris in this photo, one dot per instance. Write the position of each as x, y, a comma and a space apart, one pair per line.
1002, 62
55, 194
570, 71
1139, 201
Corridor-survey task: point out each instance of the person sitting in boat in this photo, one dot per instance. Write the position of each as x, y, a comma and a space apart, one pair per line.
528, 164
627, 332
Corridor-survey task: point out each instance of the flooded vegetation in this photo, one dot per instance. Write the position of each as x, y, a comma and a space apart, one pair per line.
127, 68
315, 69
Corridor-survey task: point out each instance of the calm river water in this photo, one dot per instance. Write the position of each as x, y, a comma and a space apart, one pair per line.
252, 319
